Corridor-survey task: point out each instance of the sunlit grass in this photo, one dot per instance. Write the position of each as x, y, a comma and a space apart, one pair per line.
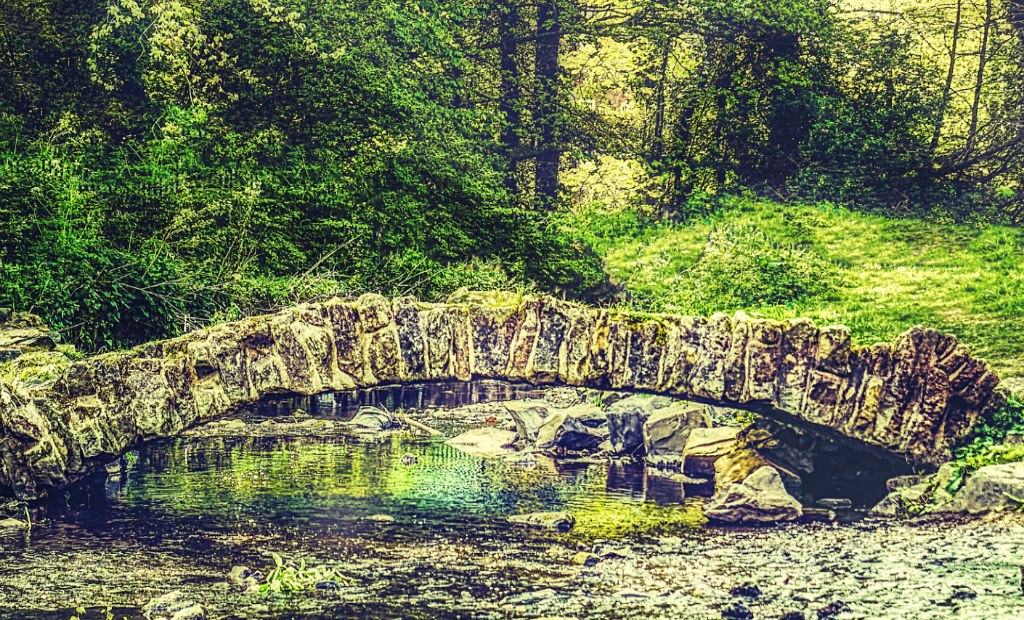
895, 273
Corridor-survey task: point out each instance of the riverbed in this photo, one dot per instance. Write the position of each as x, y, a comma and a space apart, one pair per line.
417, 529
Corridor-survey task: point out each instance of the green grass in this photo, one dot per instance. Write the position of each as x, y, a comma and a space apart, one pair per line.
890, 274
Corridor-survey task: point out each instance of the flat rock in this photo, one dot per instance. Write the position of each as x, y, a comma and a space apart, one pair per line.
704, 446
487, 442
761, 498
545, 520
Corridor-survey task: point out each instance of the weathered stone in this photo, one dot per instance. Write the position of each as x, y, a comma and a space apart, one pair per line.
916, 397
485, 442
707, 378
588, 414
736, 466
627, 419
528, 417
760, 498
993, 488
563, 431
901, 482
373, 419
583, 558
902, 501
704, 446
667, 429
545, 520
626, 429
238, 574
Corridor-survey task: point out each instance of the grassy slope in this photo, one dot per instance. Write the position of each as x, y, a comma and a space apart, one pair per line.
896, 273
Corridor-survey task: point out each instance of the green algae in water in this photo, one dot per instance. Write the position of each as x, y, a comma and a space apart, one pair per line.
316, 479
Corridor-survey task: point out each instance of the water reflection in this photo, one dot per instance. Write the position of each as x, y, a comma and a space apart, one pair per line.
439, 395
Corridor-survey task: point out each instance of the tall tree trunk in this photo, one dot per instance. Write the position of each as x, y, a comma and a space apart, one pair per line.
947, 90
972, 134
511, 103
657, 149
547, 89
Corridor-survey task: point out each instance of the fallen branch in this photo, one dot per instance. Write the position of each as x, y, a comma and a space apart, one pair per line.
415, 424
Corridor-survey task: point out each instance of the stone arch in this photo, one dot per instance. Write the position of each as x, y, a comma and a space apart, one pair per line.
914, 397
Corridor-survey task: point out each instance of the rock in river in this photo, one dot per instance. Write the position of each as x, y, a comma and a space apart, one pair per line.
564, 431
545, 520
666, 430
528, 417
626, 420
373, 419
173, 606
760, 498
487, 442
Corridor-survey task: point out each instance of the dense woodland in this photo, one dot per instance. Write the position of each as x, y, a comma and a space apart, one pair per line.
165, 163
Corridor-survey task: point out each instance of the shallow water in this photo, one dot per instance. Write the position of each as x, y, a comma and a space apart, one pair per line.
186, 510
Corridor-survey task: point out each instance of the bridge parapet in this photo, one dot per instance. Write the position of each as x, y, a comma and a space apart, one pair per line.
914, 397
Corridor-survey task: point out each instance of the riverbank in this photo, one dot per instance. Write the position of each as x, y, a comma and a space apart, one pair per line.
429, 536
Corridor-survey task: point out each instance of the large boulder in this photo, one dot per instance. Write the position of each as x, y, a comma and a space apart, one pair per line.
588, 414
666, 430
528, 417
566, 432
736, 466
626, 419
761, 498
995, 488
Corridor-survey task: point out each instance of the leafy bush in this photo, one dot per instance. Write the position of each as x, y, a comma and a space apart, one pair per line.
984, 443
741, 266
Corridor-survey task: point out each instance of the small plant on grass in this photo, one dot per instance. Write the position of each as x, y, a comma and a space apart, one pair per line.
289, 577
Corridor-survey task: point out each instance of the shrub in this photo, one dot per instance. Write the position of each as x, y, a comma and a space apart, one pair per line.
741, 266
983, 444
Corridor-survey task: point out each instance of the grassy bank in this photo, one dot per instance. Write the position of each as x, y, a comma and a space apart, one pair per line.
877, 275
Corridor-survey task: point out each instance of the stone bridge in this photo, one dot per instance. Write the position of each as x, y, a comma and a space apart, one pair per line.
914, 397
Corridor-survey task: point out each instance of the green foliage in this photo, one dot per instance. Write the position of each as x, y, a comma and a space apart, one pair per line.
972, 458
289, 577
224, 157
984, 445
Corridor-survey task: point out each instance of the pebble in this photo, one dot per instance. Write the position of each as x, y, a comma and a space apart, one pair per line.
584, 558
832, 610
737, 611
746, 590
